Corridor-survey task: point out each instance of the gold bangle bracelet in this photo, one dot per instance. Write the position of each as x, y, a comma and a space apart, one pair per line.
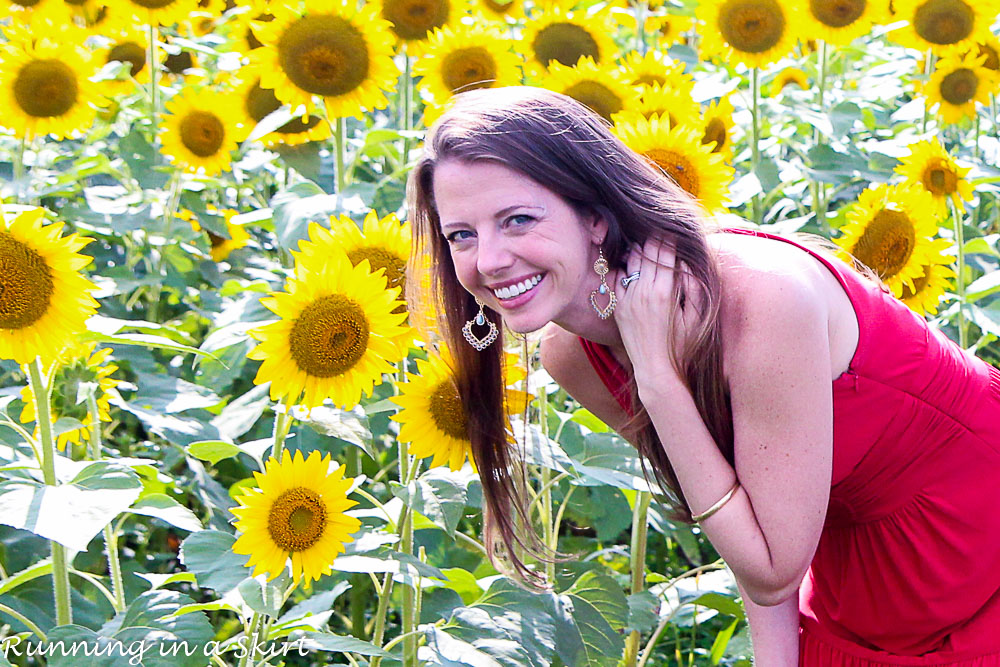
717, 506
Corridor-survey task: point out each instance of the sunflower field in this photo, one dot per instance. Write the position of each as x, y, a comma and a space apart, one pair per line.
223, 438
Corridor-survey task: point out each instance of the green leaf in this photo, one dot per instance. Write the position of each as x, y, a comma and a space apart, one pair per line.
212, 451
349, 426
164, 507
253, 593
514, 614
985, 286
209, 554
464, 583
438, 495
722, 641
585, 417
69, 514
588, 628
170, 395
481, 652
145, 340
642, 612
325, 641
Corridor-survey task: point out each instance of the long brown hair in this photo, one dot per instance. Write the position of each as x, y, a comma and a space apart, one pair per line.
568, 149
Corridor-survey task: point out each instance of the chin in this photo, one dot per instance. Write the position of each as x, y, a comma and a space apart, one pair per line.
524, 325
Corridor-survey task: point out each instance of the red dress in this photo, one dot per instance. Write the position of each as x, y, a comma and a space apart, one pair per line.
907, 570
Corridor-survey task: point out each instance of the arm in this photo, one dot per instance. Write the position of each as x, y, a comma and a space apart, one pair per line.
782, 408
774, 631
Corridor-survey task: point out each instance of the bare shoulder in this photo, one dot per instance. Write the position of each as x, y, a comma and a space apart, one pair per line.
564, 358
766, 283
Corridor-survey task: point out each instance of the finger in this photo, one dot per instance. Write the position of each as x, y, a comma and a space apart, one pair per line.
634, 260
649, 252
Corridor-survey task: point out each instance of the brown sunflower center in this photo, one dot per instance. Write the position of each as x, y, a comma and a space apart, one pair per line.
45, 88
329, 337
960, 86
297, 519
667, 28
597, 96
75, 3
414, 19
649, 79
944, 21
153, 4
25, 3
837, 13
468, 69
499, 7
678, 167
26, 284
939, 178
752, 26
715, 130
887, 243
564, 43
261, 102
380, 258
176, 63
130, 53
324, 55
447, 411
202, 133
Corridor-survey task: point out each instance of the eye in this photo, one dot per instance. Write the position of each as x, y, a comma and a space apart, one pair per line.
520, 216
451, 238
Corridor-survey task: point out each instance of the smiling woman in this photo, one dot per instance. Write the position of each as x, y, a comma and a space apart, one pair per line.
804, 417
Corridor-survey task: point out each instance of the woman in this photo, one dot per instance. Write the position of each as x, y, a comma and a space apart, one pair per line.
841, 456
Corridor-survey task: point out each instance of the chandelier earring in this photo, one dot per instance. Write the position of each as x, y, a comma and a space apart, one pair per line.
601, 269
480, 320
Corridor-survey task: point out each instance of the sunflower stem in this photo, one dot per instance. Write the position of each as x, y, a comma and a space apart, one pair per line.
19, 188
548, 522
640, 28
819, 194
282, 424
407, 470
341, 176
960, 280
755, 141
383, 607
245, 658
637, 564
110, 537
929, 61
43, 418
154, 81
993, 115
976, 145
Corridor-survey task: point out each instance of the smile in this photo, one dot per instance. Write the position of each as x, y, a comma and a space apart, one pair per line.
520, 288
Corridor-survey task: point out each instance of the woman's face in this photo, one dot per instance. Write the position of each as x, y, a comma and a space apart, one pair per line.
505, 229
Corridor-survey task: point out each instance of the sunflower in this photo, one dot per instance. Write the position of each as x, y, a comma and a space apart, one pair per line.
790, 76
560, 36
413, 21
989, 48
432, 419
890, 230
592, 85
333, 51
44, 300
840, 21
941, 24
929, 288
47, 87
957, 84
680, 154
497, 10
930, 167
200, 132
675, 104
259, 103
669, 29
297, 511
337, 332
131, 48
466, 58
754, 32
654, 69
166, 12
221, 247
717, 122
384, 243
78, 363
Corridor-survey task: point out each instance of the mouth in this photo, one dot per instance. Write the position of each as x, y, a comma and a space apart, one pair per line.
513, 291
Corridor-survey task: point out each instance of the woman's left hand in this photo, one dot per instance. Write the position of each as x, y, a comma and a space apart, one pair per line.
642, 313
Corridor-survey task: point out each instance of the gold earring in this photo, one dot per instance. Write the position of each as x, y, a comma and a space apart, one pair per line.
480, 319
601, 268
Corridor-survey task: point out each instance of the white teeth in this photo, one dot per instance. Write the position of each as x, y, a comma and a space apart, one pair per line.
520, 288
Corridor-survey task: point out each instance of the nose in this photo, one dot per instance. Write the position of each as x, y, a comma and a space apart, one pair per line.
494, 257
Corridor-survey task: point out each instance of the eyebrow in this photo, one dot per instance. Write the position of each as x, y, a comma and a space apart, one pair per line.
499, 214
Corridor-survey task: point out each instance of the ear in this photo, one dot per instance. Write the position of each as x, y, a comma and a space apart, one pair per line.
597, 227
